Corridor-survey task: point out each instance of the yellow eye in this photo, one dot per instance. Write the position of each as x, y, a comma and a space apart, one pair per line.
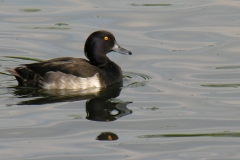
105, 38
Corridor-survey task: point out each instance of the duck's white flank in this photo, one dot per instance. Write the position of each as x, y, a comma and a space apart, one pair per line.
59, 80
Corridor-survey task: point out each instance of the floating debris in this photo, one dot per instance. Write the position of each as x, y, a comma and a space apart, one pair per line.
134, 4
30, 10
61, 24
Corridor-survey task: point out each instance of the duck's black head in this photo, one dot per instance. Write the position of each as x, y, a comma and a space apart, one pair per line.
98, 44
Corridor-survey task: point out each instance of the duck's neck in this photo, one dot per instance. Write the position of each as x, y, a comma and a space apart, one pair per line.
99, 59
96, 54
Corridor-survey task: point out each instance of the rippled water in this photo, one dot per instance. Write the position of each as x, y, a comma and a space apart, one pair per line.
180, 98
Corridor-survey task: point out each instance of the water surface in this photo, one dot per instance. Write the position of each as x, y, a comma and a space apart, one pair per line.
180, 98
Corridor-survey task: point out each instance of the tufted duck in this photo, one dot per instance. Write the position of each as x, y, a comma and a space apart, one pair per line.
76, 73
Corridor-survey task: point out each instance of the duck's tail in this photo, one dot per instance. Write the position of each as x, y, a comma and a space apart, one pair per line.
25, 76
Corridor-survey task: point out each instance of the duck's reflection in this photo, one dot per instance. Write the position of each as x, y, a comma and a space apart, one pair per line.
102, 109
101, 106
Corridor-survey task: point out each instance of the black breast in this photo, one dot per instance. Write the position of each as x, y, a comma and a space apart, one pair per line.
110, 73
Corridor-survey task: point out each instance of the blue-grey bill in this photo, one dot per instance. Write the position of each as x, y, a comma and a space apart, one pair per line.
121, 50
